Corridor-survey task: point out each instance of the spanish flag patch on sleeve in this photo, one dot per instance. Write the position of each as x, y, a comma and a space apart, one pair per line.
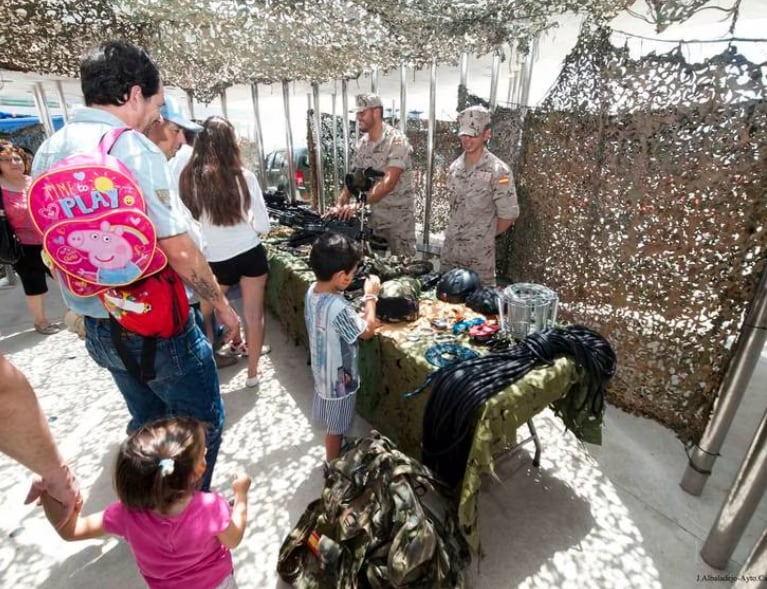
503, 179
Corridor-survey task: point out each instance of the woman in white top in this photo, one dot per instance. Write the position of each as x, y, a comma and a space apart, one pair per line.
226, 199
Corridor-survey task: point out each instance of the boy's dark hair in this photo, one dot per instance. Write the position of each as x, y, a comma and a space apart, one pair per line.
110, 70
156, 465
333, 252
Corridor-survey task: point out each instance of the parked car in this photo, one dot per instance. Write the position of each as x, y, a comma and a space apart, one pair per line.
276, 166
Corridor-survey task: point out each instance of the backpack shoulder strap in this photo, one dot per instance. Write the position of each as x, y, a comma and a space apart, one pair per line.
110, 138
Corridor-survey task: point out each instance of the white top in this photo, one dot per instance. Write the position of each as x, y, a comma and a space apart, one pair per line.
225, 242
179, 161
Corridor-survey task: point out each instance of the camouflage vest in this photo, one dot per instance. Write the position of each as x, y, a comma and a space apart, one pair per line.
370, 528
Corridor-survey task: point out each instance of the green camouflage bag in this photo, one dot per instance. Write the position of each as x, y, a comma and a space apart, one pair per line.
375, 526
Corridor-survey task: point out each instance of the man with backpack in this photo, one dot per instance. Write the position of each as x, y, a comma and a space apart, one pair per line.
157, 376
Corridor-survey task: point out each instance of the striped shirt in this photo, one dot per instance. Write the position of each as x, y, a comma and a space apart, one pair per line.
333, 329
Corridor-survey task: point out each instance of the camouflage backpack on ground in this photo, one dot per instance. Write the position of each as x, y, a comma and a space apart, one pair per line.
380, 523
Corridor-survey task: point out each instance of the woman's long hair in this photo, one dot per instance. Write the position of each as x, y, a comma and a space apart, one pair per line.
212, 182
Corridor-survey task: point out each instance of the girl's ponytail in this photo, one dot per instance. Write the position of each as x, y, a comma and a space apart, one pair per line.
158, 464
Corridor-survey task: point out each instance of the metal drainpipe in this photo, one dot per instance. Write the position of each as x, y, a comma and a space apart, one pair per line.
430, 150
320, 173
744, 359
259, 137
741, 503
289, 141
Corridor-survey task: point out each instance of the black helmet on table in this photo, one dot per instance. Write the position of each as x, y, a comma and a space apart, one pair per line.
483, 300
457, 284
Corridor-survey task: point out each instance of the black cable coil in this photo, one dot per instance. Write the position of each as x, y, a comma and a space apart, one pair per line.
460, 389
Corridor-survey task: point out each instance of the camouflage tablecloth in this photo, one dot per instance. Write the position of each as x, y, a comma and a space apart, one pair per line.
393, 363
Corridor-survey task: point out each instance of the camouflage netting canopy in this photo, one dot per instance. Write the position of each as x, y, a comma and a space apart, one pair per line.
206, 45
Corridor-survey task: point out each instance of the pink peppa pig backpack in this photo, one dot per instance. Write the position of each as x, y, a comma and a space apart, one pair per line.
96, 233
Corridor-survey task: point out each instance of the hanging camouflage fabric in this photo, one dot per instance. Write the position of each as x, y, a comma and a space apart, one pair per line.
371, 527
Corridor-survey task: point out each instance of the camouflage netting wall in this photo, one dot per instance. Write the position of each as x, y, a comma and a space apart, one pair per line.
643, 197
643, 191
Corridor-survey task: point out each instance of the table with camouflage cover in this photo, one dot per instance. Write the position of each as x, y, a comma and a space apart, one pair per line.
393, 363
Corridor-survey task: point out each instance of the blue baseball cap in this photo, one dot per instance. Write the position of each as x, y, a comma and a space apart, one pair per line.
171, 111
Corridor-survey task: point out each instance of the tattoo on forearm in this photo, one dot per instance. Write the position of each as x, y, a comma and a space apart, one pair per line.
204, 288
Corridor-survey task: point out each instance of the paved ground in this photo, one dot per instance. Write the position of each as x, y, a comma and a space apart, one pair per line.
610, 516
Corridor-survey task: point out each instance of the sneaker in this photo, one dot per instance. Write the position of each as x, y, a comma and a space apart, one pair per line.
224, 360
240, 348
252, 382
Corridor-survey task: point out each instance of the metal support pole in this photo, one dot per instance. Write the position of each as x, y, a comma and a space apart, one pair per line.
259, 137
289, 141
744, 359
320, 173
190, 103
403, 98
755, 567
345, 122
335, 144
374, 81
42, 109
527, 72
741, 502
464, 68
494, 74
224, 108
62, 100
430, 151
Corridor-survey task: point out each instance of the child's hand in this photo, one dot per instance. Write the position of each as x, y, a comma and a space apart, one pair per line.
57, 513
240, 483
372, 285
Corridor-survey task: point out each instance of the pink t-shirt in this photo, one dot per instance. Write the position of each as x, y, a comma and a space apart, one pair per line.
15, 204
177, 551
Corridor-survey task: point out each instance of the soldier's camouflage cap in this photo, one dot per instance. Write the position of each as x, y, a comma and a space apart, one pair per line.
473, 120
366, 101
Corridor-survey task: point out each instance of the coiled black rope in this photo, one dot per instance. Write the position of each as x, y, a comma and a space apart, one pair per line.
460, 389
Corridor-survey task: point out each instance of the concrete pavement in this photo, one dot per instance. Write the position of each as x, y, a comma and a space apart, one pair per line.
610, 516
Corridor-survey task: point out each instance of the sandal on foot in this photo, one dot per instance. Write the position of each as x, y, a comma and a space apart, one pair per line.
252, 382
47, 329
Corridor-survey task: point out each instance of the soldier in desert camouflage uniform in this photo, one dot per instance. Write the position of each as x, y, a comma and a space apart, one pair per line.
483, 200
392, 200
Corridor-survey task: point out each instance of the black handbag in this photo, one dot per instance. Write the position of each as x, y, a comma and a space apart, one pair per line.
10, 247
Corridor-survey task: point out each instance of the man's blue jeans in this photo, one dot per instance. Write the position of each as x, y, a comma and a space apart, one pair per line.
185, 382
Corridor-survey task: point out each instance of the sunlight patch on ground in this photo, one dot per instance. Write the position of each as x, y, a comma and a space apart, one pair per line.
612, 553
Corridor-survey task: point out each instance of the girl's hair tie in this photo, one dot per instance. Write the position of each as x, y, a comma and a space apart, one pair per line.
166, 466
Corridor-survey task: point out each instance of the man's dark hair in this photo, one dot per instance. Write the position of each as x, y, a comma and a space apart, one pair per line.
189, 136
333, 252
110, 70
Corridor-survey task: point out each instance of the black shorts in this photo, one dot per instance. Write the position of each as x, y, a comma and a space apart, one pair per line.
251, 263
32, 271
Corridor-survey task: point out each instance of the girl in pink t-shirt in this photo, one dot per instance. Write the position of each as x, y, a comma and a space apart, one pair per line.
180, 536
